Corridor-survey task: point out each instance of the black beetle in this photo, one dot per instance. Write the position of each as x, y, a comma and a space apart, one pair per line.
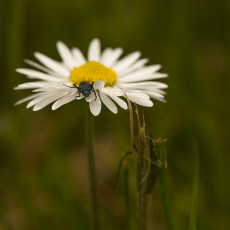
85, 88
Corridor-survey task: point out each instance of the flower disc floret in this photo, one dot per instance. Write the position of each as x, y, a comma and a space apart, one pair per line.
92, 71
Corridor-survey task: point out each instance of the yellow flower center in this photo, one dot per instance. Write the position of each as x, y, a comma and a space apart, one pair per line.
92, 71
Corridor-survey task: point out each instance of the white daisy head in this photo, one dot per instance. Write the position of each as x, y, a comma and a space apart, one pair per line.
103, 77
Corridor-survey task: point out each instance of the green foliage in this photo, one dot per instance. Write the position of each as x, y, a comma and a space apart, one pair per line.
43, 182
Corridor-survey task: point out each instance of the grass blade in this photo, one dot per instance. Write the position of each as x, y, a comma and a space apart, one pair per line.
165, 201
163, 188
192, 220
127, 198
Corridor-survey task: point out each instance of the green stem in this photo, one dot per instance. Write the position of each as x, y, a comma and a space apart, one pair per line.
127, 198
142, 174
89, 134
141, 194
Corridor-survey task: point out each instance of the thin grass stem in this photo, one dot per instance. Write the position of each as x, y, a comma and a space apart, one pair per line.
89, 135
127, 197
193, 213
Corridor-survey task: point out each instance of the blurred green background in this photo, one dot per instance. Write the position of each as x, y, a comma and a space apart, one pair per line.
43, 166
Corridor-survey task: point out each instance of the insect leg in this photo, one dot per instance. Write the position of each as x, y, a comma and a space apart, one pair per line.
94, 91
70, 86
95, 95
78, 95
75, 86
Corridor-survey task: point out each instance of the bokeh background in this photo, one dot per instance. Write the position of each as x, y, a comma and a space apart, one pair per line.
43, 166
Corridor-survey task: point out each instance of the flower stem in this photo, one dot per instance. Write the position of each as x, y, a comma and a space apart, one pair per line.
89, 134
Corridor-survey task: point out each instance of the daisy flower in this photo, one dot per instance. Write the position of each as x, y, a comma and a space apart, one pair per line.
103, 77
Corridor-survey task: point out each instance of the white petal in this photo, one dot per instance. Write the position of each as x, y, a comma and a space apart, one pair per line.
119, 93
95, 106
156, 94
138, 95
90, 97
66, 55
41, 104
30, 85
120, 102
37, 99
57, 85
36, 74
159, 75
77, 97
155, 68
56, 66
46, 78
38, 66
140, 63
94, 50
105, 54
28, 98
113, 91
108, 102
159, 99
113, 57
64, 87
155, 91
153, 94
98, 85
142, 102
64, 100
126, 62
42, 90
109, 91
138, 74
143, 77
78, 56
147, 85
